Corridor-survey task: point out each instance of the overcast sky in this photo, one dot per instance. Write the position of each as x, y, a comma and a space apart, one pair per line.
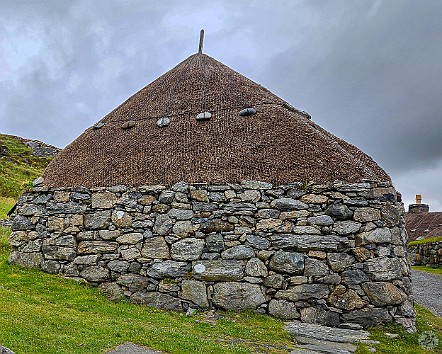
368, 71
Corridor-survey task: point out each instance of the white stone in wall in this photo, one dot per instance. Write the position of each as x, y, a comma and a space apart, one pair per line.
221, 270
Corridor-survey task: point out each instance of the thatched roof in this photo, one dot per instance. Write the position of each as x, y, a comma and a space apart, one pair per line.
424, 225
278, 144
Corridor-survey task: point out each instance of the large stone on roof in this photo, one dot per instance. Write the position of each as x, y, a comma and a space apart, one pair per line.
228, 147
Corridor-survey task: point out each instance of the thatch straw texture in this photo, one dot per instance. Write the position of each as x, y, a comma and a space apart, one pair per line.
423, 225
278, 144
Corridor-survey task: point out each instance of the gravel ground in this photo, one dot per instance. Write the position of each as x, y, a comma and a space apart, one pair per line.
427, 289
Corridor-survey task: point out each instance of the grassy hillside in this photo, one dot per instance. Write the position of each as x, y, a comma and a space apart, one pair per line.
6, 204
18, 168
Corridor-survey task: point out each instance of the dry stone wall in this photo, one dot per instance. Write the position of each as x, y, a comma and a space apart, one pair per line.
427, 254
330, 254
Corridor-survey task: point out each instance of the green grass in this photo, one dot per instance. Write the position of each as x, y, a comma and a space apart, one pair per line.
6, 203
434, 270
42, 313
4, 243
18, 166
424, 241
405, 343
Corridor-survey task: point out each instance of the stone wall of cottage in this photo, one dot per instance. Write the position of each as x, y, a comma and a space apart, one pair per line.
427, 254
331, 254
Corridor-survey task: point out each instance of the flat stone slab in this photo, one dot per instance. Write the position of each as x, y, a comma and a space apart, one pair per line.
325, 346
322, 349
313, 338
130, 348
327, 333
4, 350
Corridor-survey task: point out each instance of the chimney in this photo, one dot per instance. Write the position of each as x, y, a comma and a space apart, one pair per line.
418, 207
418, 198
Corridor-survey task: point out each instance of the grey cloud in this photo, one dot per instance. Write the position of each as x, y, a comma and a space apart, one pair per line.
78, 40
372, 79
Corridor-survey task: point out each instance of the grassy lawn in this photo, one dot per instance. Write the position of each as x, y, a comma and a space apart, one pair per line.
434, 270
6, 203
405, 343
42, 313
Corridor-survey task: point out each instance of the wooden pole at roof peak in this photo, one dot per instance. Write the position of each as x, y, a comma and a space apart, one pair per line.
200, 48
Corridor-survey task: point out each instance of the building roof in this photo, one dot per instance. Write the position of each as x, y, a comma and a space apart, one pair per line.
423, 225
278, 144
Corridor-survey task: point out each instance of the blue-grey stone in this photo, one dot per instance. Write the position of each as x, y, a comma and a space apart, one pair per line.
287, 262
